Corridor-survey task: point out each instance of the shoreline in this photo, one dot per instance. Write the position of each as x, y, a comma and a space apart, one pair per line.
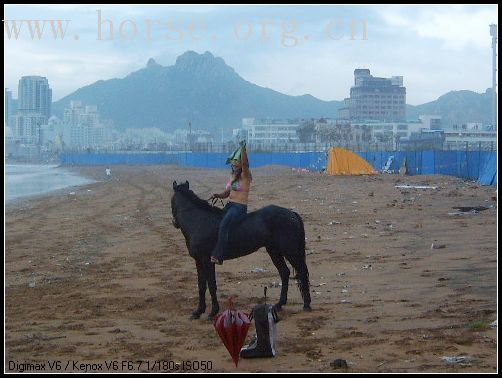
25, 200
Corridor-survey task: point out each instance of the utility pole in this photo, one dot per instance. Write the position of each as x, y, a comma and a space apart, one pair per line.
493, 33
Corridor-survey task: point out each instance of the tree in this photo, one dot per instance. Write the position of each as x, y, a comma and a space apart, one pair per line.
306, 131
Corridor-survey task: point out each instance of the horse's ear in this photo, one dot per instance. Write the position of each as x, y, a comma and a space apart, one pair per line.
174, 184
187, 184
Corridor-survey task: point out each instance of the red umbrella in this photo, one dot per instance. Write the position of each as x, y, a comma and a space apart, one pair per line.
232, 326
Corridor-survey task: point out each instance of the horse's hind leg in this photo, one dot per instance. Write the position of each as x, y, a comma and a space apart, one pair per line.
284, 272
211, 282
202, 283
302, 276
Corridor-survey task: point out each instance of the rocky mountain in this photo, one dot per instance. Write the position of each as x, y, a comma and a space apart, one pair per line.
457, 107
199, 88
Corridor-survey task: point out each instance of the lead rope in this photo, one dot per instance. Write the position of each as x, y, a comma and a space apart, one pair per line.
214, 200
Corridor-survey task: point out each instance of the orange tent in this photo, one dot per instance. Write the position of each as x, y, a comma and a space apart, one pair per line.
345, 162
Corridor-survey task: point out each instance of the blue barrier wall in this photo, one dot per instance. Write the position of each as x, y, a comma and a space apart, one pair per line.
121, 158
474, 165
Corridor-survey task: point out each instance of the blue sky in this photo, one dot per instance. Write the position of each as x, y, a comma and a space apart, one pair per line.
308, 49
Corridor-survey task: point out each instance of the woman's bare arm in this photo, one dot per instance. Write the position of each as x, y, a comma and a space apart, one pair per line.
224, 194
245, 162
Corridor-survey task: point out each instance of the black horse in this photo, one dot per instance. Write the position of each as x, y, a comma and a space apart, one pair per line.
277, 229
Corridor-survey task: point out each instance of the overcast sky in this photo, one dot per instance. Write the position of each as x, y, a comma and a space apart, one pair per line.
293, 49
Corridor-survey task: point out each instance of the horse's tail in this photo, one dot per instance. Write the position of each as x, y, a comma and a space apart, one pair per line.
299, 263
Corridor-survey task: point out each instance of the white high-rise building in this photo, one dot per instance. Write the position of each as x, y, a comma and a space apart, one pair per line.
26, 127
265, 131
82, 127
34, 96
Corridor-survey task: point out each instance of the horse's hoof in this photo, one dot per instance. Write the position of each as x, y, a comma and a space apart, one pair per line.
307, 308
278, 307
197, 313
212, 315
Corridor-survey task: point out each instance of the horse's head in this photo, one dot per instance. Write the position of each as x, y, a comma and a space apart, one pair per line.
177, 188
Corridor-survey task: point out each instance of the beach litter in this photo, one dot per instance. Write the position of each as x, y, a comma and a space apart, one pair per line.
438, 246
454, 213
415, 187
258, 270
467, 209
460, 360
338, 364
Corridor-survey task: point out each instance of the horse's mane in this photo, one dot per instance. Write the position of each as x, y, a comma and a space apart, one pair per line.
192, 197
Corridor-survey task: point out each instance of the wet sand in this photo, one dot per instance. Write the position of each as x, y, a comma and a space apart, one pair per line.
102, 277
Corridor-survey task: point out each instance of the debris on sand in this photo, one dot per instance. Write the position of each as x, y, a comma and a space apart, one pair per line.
258, 270
460, 360
415, 187
338, 364
463, 212
466, 209
438, 246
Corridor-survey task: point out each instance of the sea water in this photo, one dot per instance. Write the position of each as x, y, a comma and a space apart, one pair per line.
31, 180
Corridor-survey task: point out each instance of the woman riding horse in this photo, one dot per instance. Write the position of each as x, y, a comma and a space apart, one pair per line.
237, 190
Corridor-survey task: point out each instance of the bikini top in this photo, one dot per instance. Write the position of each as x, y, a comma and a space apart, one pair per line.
234, 185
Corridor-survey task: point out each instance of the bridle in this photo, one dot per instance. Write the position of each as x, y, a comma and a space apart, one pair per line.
213, 200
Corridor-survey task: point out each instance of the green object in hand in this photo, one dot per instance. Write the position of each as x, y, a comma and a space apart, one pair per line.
235, 157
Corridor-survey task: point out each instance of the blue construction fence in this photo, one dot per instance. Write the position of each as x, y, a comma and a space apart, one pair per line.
474, 165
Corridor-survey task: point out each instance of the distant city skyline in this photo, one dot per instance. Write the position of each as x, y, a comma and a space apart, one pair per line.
292, 49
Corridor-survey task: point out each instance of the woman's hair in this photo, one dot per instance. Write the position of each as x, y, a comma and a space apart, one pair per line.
236, 171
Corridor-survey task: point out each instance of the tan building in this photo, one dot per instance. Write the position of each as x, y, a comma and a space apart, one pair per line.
375, 98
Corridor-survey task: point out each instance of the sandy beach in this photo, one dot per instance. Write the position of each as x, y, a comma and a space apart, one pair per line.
100, 279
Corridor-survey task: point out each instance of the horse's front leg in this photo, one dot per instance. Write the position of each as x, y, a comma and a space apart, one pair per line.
211, 281
284, 272
202, 283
